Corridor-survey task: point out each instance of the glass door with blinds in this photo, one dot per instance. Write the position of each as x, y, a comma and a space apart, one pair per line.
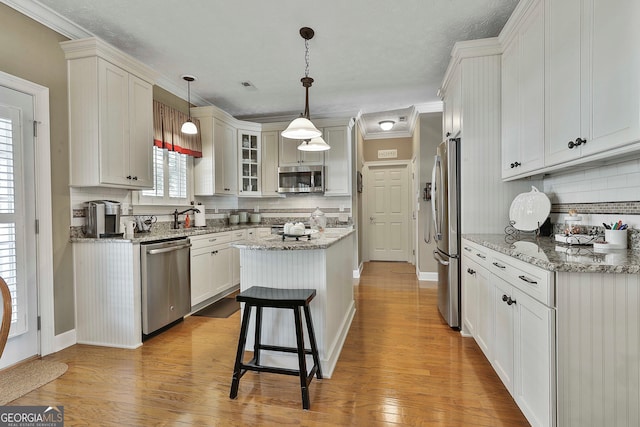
18, 222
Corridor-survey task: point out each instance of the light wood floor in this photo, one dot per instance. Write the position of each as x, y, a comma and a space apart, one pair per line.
401, 365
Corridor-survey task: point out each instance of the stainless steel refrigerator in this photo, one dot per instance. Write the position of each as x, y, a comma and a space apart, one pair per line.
445, 202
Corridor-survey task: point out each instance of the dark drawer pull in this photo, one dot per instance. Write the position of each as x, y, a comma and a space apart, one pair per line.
526, 279
499, 265
468, 249
481, 256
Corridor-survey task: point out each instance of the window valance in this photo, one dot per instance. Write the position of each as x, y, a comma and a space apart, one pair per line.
167, 122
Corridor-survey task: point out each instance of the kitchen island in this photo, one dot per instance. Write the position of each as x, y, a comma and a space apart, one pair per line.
323, 263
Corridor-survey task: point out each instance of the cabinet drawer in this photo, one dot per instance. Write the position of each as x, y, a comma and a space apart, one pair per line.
238, 235
477, 253
205, 240
535, 282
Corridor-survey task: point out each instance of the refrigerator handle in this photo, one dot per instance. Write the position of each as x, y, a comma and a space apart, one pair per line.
438, 257
435, 199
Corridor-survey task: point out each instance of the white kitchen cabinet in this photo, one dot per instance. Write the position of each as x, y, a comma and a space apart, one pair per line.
235, 256
337, 161
110, 117
289, 155
269, 185
593, 77
250, 163
514, 324
216, 172
503, 318
523, 94
452, 105
211, 266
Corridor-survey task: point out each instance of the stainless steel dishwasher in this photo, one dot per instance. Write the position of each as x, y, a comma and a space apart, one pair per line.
166, 282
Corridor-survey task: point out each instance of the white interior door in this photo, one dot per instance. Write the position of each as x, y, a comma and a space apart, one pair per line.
17, 222
388, 213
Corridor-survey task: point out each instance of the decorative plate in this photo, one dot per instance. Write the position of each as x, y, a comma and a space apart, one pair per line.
529, 210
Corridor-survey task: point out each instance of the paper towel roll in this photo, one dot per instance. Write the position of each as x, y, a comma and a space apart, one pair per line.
200, 221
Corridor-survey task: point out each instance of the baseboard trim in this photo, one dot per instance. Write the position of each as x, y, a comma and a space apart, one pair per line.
428, 276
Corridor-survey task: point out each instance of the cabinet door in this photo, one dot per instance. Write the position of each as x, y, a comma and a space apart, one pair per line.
469, 296
534, 352
289, 153
201, 278
113, 93
612, 63
502, 360
222, 269
269, 184
523, 97
486, 301
337, 161
564, 104
249, 166
141, 133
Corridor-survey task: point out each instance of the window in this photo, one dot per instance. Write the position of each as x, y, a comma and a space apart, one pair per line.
171, 178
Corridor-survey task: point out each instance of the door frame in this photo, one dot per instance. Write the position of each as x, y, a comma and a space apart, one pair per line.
365, 203
44, 236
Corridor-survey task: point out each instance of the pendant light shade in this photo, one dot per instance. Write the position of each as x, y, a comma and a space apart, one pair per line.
315, 144
301, 128
189, 127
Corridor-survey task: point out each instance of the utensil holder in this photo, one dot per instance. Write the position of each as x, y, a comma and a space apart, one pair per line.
617, 239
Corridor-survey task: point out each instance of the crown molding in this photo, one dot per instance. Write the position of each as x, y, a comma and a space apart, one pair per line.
49, 18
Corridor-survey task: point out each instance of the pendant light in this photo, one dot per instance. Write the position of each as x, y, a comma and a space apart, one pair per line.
189, 127
302, 128
314, 144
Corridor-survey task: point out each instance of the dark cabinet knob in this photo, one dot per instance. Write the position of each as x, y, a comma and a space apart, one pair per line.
504, 298
571, 144
135, 178
580, 141
471, 271
510, 301
128, 176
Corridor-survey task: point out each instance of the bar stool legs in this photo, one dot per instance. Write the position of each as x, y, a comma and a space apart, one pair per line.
301, 300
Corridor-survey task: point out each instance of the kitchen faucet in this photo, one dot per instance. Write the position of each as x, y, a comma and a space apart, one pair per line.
176, 224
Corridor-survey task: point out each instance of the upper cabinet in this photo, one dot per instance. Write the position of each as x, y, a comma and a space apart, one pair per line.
523, 95
291, 156
110, 117
591, 84
337, 161
216, 172
593, 77
249, 169
269, 184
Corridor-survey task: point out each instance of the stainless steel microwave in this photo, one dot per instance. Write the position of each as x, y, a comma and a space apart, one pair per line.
301, 179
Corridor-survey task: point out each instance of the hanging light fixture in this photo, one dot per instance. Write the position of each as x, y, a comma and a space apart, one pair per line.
386, 124
189, 127
314, 144
302, 128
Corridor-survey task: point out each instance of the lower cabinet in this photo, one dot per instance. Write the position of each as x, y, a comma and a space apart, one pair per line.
215, 264
508, 309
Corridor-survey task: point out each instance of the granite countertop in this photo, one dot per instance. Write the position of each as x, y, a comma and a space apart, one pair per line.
162, 233
546, 253
274, 242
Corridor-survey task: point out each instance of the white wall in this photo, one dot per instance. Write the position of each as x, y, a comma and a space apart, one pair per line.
612, 183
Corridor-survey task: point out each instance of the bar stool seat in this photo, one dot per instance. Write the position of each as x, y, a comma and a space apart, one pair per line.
260, 297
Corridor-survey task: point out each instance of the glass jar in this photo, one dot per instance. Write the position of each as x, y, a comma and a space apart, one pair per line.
318, 220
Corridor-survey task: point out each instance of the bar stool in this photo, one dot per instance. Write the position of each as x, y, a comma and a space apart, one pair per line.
260, 297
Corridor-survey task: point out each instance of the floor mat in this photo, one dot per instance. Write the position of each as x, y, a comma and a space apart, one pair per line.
20, 380
220, 309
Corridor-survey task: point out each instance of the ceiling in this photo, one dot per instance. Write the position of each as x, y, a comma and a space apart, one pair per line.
367, 56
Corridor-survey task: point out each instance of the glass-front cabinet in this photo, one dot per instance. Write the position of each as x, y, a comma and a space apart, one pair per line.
249, 167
